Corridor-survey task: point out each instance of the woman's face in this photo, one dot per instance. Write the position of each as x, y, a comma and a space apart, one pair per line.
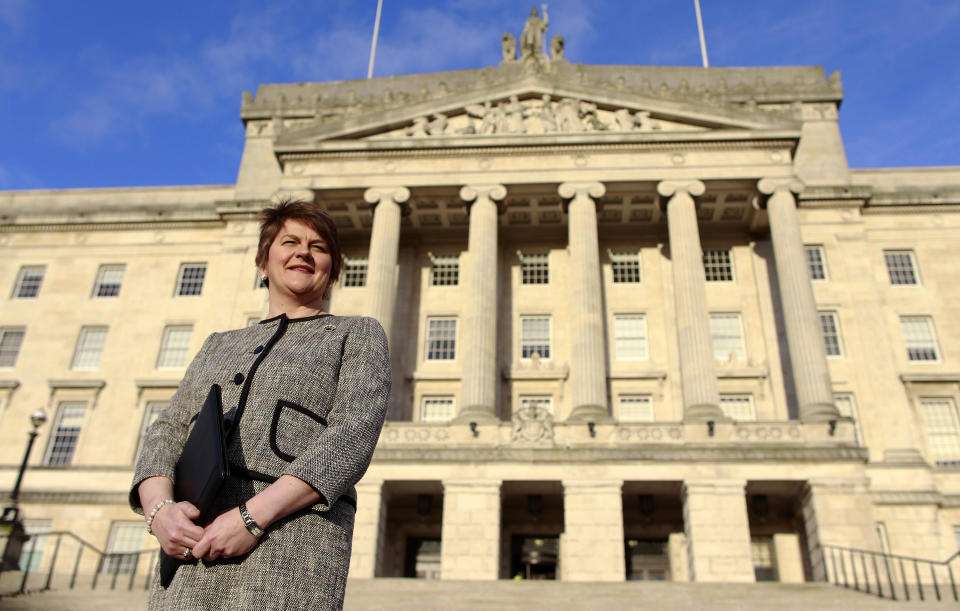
298, 263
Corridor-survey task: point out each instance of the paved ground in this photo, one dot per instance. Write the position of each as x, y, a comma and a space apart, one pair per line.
418, 595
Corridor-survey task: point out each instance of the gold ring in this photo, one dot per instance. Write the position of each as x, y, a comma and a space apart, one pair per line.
187, 553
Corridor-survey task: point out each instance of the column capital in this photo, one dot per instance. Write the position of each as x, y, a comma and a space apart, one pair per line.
770, 185
375, 195
494, 192
569, 190
281, 195
669, 188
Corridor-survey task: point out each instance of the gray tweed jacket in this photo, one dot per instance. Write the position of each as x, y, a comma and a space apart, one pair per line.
311, 394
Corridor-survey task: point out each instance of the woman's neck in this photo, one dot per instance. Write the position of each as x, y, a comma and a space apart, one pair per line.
294, 309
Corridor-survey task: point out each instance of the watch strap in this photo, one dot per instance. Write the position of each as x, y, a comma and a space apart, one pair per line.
249, 522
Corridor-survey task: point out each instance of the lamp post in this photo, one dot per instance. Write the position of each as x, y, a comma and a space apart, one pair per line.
37, 419
10, 524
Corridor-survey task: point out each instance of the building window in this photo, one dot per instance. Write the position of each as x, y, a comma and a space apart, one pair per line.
630, 337
174, 346
830, 328
534, 402
919, 338
190, 279
11, 338
109, 279
847, 407
441, 339
761, 551
882, 537
943, 430
125, 537
150, 415
717, 265
901, 267
28, 281
66, 431
436, 409
534, 268
816, 262
738, 407
31, 557
354, 271
534, 337
635, 408
626, 267
727, 335
444, 271
89, 348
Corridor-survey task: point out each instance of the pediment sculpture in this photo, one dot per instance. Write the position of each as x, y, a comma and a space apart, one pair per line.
533, 424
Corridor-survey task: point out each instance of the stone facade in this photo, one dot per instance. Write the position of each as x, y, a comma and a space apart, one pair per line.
645, 323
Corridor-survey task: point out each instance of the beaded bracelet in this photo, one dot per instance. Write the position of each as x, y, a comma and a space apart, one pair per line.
154, 513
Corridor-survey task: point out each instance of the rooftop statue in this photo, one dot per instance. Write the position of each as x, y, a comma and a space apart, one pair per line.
534, 30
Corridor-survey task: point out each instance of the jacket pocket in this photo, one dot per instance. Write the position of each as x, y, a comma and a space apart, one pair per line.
292, 428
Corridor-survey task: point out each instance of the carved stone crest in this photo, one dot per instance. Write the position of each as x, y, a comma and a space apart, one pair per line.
533, 424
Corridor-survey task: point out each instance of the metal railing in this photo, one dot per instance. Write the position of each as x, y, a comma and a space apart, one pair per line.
62, 560
891, 576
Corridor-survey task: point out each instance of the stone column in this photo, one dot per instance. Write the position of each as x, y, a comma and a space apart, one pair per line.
592, 548
808, 356
479, 384
368, 529
470, 548
588, 370
837, 512
384, 246
717, 529
698, 378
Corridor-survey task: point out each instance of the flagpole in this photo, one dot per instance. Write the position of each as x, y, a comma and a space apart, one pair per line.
703, 42
373, 43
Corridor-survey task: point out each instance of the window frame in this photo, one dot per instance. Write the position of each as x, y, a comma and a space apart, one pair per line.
821, 264
57, 438
99, 283
444, 270
624, 262
429, 340
838, 335
8, 351
934, 345
165, 348
742, 351
534, 268
83, 350
355, 271
525, 341
19, 283
934, 449
425, 399
738, 398
618, 339
149, 408
914, 269
183, 283
542, 400
713, 268
644, 398
132, 532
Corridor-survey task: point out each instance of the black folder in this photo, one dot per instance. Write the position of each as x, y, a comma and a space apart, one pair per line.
201, 470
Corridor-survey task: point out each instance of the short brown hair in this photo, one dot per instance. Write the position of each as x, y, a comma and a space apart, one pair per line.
310, 214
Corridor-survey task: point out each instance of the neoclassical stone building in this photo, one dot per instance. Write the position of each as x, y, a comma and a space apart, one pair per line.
645, 322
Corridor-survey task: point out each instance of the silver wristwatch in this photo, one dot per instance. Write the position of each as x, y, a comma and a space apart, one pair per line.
251, 525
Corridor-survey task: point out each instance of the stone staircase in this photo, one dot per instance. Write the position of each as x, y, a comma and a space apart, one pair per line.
421, 595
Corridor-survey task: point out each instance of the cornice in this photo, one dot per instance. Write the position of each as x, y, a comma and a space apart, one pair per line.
75, 497
87, 225
906, 497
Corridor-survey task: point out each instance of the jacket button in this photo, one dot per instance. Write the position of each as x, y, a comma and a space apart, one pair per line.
238, 379
258, 350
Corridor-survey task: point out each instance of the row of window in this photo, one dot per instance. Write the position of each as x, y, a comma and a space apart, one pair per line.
125, 537
630, 337
109, 279
88, 351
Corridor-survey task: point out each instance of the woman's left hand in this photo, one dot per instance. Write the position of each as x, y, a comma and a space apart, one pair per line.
226, 537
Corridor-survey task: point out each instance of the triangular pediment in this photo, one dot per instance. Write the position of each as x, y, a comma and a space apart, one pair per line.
530, 107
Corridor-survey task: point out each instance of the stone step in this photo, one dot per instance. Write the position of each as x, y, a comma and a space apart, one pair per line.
423, 595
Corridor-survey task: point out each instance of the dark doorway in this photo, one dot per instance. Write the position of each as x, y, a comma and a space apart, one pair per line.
534, 557
531, 525
422, 558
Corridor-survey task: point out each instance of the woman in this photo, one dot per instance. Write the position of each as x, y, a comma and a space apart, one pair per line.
309, 393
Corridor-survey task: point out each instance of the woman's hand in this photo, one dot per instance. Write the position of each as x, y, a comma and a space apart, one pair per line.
226, 537
174, 528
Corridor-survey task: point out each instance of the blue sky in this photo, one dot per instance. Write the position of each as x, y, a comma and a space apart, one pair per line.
120, 93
